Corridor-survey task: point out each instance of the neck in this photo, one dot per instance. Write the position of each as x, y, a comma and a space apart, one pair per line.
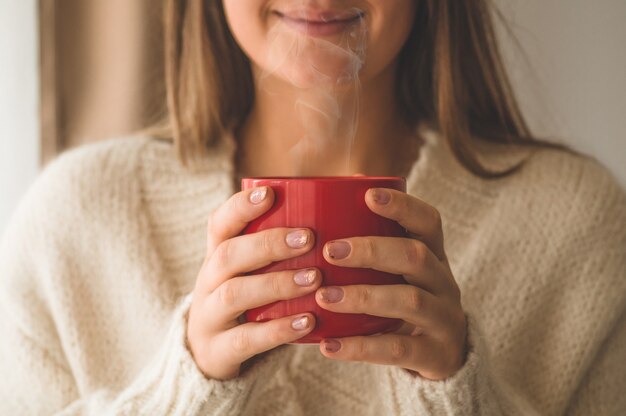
382, 144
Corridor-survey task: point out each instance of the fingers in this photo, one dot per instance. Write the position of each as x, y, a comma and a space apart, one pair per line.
236, 295
422, 354
386, 349
232, 217
245, 341
408, 257
415, 215
245, 253
405, 302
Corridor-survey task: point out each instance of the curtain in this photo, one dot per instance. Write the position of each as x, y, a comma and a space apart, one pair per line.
101, 70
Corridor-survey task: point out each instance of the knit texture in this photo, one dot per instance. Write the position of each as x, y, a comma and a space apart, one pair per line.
97, 265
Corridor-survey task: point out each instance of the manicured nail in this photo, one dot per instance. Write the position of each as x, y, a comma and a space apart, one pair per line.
381, 197
300, 323
331, 345
338, 249
297, 239
305, 277
258, 195
331, 294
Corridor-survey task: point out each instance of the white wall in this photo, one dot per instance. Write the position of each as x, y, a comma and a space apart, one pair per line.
575, 87
19, 111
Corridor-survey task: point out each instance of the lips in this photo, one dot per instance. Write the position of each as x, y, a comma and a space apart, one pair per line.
320, 22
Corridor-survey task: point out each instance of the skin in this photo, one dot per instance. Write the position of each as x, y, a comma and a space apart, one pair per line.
432, 341
273, 124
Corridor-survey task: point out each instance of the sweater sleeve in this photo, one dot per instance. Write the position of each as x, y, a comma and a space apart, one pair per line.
579, 341
476, 390
37, 379
602, 391
171, 384
473, 390
41, 344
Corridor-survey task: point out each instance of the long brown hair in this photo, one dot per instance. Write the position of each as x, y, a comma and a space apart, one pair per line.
451, 77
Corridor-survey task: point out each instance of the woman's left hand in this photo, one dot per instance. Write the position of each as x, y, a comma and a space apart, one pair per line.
432, 340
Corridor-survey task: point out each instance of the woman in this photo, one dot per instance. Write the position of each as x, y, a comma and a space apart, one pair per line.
520, 312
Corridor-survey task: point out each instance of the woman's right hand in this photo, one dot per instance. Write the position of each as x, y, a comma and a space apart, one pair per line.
219, 344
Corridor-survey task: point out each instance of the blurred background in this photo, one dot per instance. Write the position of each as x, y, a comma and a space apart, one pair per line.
78, 71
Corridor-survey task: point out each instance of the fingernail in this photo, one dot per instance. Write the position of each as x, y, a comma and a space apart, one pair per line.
338, 249
331, 345
300, 323
331, 294
258, 195
305, 277
381, 197
297, 239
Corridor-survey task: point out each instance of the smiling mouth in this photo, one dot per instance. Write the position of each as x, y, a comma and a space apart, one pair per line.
318, 23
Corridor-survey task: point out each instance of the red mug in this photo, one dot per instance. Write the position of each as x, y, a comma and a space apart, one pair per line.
333, 208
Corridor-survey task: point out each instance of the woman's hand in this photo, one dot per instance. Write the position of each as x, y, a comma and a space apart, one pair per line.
432, 341
218, 343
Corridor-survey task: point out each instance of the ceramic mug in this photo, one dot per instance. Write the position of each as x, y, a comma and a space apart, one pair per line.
333, 208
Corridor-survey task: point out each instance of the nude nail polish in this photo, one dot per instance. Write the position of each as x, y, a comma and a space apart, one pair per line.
297, 239
300, 323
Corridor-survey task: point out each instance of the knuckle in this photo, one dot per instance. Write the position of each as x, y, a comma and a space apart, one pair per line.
237, 204
202, 357
222, 253
266, 242
369, 248
436, 220
363, 297
416, 252
227, 293
402, 210
398, 349
414, 299
276, 336
241, 342
360, 350
276, 284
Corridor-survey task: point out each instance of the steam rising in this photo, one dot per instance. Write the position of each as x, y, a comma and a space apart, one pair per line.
325, 74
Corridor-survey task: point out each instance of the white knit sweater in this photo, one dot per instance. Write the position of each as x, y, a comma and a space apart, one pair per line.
96, 265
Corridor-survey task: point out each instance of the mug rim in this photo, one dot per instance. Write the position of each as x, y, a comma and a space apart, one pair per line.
325, 178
